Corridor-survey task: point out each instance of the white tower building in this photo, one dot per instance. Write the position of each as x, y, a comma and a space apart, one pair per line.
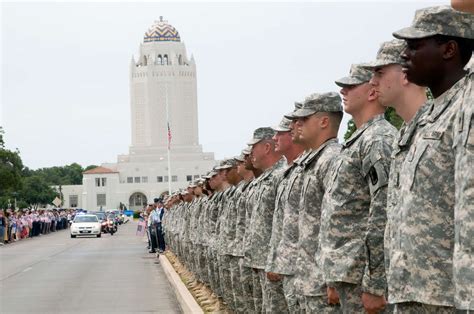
162, 76
163, 73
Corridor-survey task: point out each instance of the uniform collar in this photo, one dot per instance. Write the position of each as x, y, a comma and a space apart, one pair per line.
362, 129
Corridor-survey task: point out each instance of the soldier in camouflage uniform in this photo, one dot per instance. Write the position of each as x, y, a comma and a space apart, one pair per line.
284, 226
241, 300
252, 295
226, 224
354, 216
431, 268
409, 101
199, 258
270, 162
316, 127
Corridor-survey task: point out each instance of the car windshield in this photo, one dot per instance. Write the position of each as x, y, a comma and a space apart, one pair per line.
100, 215
86, 219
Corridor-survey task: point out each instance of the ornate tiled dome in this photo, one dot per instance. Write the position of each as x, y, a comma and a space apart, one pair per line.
161, 31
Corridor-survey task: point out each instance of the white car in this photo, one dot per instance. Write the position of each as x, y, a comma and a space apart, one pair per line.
85, 225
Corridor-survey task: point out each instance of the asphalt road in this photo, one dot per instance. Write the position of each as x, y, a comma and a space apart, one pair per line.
56, 274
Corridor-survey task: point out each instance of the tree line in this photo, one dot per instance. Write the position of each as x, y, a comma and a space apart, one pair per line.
32, 188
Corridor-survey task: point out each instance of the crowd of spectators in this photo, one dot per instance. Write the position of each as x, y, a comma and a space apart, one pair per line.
28, 223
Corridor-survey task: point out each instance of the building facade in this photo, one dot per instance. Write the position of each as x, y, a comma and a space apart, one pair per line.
164, 114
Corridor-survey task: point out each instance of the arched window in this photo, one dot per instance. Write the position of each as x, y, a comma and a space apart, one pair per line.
180, 60
165, 59
144, 60
158, 59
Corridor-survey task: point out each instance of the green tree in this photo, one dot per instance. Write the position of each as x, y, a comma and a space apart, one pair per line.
36, 191
2, 142
11, 167
90, 167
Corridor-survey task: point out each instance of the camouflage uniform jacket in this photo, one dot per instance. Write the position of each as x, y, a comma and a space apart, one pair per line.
191, 224
315, 170
421, 259
240, 206
284, 238
231, 218
354, 209
184, 227
214, 211
463, 262
399, 152
195, 224
224, 222
204, 218
248, 204
262, 216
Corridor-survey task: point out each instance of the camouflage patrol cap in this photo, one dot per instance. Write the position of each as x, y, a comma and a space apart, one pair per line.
226, 164
246, 151
240, 158
324, 102
389, 53
439, 20
358, 75
192, 185
284, 125
260, 134
298, 105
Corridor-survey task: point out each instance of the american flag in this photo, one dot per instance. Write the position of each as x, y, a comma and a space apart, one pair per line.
169, 136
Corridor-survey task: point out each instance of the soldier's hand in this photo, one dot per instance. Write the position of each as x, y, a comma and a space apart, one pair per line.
373, 303
333, 295
274, 277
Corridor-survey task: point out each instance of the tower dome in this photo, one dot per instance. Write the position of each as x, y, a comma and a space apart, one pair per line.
161, 31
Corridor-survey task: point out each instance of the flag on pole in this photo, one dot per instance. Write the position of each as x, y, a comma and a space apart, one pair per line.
169, 136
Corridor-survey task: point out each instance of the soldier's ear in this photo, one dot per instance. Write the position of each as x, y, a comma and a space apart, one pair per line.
324, 122
450, 49
372, 94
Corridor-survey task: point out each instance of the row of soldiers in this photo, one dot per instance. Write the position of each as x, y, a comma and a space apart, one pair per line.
381, 223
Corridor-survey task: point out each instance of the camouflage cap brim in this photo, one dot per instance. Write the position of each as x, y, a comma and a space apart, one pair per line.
253, 141
246, 151
223, 167
240, 158
290, 115
349, 81
279, 128
413, 33
304, 112
377, 64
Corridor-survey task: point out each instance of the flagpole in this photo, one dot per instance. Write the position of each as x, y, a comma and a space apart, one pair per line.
169, 139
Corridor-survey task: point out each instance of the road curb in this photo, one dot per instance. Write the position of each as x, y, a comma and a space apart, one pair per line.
185, 299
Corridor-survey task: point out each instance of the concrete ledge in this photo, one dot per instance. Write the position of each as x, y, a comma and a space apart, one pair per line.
185, 298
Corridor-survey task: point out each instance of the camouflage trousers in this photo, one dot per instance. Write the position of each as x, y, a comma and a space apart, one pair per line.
350, 296
319, 304
200, 260
239, 302
290, 294
213, 272
257, 289
420, 308
246, 280
187, 255
274, 300
225, 280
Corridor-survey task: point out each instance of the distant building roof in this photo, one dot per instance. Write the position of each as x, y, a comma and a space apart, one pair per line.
100, 170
